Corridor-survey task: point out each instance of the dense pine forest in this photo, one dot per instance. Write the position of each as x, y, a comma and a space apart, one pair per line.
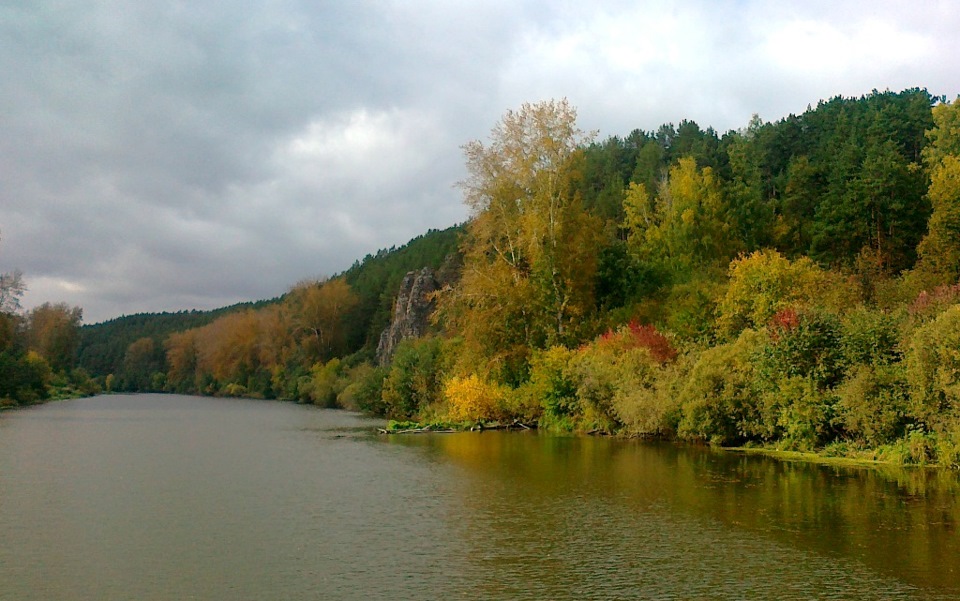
794, 284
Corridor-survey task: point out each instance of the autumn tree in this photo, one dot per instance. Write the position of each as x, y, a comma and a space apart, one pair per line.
530, 249
686, 227
53, 331
229, 348
276, 339
940, 249
181, 349
764, 283
318, 311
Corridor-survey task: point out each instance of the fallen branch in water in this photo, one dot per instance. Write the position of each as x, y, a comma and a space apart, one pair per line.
417, 431
451, 429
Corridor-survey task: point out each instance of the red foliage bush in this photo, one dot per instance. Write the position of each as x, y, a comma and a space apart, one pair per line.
782, 322
637, 335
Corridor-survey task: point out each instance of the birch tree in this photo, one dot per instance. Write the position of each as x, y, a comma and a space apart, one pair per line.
530, 248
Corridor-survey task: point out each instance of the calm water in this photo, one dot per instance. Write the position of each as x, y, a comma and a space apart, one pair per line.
171, 497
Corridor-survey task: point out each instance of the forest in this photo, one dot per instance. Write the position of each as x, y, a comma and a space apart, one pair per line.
793, 285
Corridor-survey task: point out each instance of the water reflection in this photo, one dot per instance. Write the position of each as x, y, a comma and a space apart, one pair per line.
554, 501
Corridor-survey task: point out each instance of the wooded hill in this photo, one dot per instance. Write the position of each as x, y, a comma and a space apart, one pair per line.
108, 347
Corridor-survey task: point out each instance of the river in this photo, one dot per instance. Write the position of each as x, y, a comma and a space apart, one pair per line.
172, 497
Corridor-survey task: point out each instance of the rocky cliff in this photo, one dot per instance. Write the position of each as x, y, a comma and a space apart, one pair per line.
411, 312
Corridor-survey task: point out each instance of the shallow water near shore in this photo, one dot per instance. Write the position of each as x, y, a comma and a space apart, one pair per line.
174, 497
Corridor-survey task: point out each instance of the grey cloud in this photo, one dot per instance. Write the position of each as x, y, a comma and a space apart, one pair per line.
149, 162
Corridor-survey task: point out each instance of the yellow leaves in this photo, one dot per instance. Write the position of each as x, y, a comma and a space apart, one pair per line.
933, 367
35, 358
637, 209
319, 309
228, 347
181, 350
530, 249
945, 181
765, 282
526, 145
53, 330
472, 399
940, 250
687, 225
945, 136
233, 348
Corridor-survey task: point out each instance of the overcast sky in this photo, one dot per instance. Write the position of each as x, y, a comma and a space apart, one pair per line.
158, 156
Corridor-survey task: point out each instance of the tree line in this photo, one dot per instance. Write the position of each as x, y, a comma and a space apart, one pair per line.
265, 349
793, 283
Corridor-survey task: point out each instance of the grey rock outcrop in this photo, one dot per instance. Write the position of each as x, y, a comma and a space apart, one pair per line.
411, 312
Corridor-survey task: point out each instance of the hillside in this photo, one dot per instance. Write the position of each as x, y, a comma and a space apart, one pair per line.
103, 346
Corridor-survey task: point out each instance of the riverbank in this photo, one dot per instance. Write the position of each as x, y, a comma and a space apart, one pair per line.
818, 458
898, 456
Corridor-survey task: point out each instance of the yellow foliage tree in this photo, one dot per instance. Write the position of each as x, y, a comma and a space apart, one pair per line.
940, 249
181, 348
53, 331
228, 349
688, 226
763, 283
472, 399
530, 249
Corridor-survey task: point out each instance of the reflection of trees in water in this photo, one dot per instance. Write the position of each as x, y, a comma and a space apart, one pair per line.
537, 497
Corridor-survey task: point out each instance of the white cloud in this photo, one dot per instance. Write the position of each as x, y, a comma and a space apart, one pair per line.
824, 49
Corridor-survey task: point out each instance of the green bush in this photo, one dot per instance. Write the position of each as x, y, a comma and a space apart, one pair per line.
285, 382
691, 310
718, 403
363, 390
870, 337
83, 383
803, 344
234, 390
325, 383
24, 377
554, 381
646, 398
523, 403
933, 371
873, 404
797, 415
597, 378
414, 379
917, 447
947, 447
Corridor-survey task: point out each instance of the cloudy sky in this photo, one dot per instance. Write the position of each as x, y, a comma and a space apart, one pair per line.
173, 155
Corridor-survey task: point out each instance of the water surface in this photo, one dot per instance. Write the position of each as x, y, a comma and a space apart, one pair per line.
173, 497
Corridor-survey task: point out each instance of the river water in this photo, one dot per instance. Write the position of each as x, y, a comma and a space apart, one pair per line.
171, 497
